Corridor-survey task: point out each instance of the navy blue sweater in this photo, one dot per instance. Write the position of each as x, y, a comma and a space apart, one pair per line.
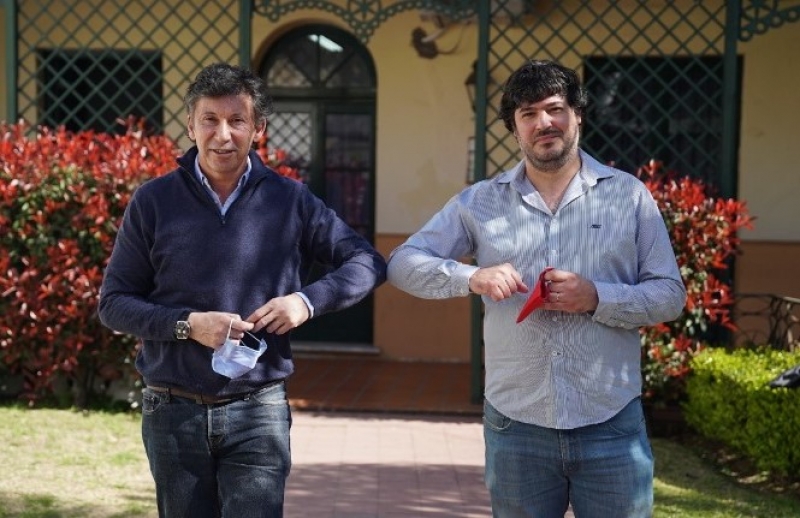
175, 253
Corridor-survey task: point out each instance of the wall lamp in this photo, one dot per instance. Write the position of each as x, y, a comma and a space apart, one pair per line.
471, 84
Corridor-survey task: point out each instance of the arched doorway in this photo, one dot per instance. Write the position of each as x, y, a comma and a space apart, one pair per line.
322, 80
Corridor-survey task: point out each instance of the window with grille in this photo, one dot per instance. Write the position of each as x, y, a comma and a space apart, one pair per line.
665, 108
88, 89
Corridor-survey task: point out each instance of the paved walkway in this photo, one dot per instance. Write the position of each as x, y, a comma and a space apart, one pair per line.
381, 466
385, 439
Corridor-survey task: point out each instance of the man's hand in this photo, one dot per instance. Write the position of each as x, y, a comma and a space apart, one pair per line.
280, 315
497, 282
570, 292
210, 328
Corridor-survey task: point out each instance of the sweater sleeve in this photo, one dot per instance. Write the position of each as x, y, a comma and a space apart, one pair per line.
128, 280
354, 268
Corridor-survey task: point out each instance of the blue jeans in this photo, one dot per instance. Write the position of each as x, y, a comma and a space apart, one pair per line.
603, 470
225, 460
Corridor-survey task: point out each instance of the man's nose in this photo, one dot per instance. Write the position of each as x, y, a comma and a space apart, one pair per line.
224, 131
544, 120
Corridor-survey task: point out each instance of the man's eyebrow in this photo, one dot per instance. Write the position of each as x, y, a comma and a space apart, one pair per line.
536, 106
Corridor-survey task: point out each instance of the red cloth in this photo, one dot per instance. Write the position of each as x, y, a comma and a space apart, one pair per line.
537, 298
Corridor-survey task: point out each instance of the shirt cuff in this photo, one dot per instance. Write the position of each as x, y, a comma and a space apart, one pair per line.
608, 307
460, 276
308, 303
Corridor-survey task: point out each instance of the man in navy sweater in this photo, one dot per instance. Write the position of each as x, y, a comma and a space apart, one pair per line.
209, 258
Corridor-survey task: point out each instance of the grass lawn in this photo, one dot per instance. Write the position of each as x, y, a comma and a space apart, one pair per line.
61, 463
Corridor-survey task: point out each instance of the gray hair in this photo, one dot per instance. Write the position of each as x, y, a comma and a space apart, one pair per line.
222, 80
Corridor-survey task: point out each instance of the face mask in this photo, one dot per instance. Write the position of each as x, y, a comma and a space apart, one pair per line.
234, 359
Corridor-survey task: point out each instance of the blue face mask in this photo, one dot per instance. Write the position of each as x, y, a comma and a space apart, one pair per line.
234, 359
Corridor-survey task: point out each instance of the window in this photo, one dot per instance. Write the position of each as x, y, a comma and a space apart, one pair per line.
664, 108
323, 83
87, 89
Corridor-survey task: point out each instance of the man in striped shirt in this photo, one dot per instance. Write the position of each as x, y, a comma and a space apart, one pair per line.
563, 421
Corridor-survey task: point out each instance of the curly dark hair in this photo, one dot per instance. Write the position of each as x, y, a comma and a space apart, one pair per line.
537, 80
221, 80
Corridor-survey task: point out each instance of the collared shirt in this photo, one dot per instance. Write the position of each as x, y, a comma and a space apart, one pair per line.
223, 207
555, 369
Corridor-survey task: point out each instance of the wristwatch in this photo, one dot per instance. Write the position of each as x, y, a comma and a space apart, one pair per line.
182, 329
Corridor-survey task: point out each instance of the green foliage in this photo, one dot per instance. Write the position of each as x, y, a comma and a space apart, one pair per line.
703, 230
730, 400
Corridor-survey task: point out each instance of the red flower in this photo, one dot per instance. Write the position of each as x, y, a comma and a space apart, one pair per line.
704, 234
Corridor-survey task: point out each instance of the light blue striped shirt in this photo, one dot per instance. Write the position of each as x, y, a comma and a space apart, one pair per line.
555, 369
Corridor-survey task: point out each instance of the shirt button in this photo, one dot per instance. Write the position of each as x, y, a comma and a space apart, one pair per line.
555, 319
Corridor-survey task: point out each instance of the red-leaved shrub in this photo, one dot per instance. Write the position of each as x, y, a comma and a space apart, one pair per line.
704, 233
62, 197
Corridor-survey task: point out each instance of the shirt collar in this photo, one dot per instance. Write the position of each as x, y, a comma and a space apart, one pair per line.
204, 179
590, 173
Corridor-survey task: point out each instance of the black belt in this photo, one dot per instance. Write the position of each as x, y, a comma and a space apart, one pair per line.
205, 399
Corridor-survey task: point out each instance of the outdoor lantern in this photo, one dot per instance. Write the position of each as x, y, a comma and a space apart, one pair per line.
471, 84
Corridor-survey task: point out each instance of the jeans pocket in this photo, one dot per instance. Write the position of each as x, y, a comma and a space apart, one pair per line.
629, 421
152, 401
493, 419
272, 395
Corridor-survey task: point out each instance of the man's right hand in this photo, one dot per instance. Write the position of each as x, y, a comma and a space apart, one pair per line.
210, 328
497, 282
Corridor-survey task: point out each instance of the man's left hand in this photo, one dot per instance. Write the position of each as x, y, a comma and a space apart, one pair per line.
280, 315
570, 292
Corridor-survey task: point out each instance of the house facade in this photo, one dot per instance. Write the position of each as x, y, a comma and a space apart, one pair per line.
388, 108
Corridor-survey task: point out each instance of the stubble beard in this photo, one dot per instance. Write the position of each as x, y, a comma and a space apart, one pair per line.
552, 159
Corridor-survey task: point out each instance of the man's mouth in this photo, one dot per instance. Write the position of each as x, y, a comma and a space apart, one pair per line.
547, 137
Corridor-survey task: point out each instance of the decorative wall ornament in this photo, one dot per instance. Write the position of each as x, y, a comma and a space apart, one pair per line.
365, 16
759, 16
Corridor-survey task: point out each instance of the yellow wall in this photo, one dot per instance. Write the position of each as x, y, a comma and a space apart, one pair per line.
769, 158
424, 116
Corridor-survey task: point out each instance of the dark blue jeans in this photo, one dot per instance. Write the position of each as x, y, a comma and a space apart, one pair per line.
229, 460
603, 470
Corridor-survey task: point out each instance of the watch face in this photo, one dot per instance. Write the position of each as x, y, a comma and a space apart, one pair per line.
182, 330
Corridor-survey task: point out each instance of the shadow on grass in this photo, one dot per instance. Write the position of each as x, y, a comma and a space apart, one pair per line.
687, 483
38, 505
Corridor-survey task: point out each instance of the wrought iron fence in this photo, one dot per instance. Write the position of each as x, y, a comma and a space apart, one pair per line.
767, 319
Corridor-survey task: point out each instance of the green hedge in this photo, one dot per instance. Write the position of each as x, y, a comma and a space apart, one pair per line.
729, 399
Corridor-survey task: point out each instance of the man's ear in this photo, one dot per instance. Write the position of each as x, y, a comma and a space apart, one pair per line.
261, 128
190, 128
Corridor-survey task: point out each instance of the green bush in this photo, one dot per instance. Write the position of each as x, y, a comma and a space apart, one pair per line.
729, 399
